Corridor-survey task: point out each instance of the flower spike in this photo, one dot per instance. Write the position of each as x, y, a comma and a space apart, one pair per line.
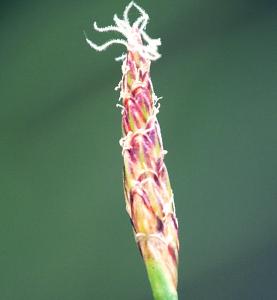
148, 194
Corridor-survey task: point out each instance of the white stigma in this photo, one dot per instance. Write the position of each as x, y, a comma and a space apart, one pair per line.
136, 39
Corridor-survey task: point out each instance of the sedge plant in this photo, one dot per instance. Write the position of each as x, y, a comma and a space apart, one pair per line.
148, 194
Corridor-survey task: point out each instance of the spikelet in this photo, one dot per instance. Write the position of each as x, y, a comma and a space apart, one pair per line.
148, 194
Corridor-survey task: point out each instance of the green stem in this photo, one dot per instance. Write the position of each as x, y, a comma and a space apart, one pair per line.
161, 287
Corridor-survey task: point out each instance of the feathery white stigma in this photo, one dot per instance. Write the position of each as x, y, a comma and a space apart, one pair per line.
136, 37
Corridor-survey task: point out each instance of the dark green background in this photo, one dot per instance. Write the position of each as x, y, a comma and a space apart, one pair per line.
64, 231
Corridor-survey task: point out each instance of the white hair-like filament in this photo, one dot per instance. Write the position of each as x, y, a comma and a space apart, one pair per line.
134, 34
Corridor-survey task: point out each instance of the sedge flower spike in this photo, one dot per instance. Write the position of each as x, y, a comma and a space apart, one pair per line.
148, 194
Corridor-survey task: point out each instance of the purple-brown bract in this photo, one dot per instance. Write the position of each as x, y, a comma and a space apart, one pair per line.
148, 194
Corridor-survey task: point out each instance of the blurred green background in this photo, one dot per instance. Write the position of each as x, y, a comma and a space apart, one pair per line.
63, 226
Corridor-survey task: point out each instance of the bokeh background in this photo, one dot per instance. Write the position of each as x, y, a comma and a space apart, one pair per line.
64, 232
